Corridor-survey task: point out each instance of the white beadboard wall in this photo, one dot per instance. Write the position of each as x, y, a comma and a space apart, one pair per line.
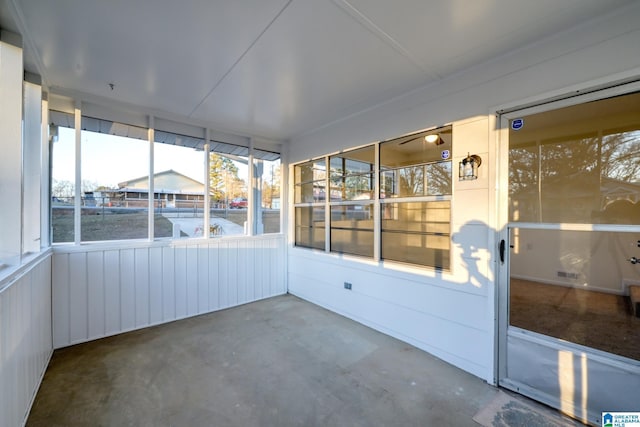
25, 338
101, 290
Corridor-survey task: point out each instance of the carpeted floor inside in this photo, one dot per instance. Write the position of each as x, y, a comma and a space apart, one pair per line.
594, 319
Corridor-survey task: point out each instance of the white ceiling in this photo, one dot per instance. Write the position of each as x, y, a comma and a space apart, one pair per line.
273, 68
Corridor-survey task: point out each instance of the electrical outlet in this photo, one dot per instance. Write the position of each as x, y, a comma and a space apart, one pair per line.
347, 285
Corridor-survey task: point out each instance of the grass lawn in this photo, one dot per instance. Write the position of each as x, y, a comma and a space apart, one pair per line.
133, 224
119, 226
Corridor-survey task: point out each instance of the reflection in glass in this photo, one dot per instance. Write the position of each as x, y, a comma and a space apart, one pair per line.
352, 229
417, 233
351, 175
424, 180
578, 164
310, 182
411, 166
573, 285
310, 227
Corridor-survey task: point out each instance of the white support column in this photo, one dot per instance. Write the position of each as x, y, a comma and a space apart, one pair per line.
11, 130
284, 191
45, 178
327, 207
151, 195
250, 231
206, 208
377, 219
77, 203
31, 163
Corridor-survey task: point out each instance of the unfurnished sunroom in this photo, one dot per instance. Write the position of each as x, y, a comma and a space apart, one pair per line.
462, 177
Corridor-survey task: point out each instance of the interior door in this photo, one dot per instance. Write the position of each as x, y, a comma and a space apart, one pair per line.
567, 334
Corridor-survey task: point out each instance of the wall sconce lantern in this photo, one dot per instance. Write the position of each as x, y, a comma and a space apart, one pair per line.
469, 167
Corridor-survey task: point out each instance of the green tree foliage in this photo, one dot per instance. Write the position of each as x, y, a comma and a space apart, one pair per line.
223, 177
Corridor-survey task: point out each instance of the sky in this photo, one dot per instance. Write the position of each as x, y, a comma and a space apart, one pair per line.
108, 160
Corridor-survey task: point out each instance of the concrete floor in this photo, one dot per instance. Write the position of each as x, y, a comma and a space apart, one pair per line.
276, 362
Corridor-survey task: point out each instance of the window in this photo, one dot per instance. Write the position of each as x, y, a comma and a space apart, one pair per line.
413, 199
415, 193
351, 181
267, 174
63, 177
115, 182
309, 197
178, 185
228, 177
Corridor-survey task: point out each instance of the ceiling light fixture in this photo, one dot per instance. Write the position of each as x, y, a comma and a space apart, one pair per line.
432, 138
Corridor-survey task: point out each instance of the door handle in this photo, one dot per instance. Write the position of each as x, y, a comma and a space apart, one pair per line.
503, 246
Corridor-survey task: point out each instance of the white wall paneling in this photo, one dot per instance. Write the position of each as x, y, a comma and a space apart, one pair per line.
451, 315
103, 290
25, 338
449, 320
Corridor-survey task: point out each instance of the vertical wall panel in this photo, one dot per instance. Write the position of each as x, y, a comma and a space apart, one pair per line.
142, 287
168, 284
155, 285
78, 292
214, 280
203, 279
25, 339
127, 289
259, 272
223, 273
112, 292
192, 280
96, 294
181, 281
242, 265
232, 273
61, 300
101, 292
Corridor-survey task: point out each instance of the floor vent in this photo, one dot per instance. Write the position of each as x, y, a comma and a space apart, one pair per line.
567, 275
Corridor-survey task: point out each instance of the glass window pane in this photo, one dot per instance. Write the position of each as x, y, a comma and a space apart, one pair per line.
416, 165
115, 187
310, 192
268, 176
314, 170
352, 229
417, 233
574, 285
228, 176
178, 183
416, 149
63, 180
351, 176
578, 164
310, 227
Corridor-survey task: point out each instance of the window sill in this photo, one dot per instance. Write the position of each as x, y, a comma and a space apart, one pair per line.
9, 273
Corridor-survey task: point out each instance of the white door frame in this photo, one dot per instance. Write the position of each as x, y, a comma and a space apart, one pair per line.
528, 341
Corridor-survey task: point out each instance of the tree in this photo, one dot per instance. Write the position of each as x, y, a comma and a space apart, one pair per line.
223, 176
62, 188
